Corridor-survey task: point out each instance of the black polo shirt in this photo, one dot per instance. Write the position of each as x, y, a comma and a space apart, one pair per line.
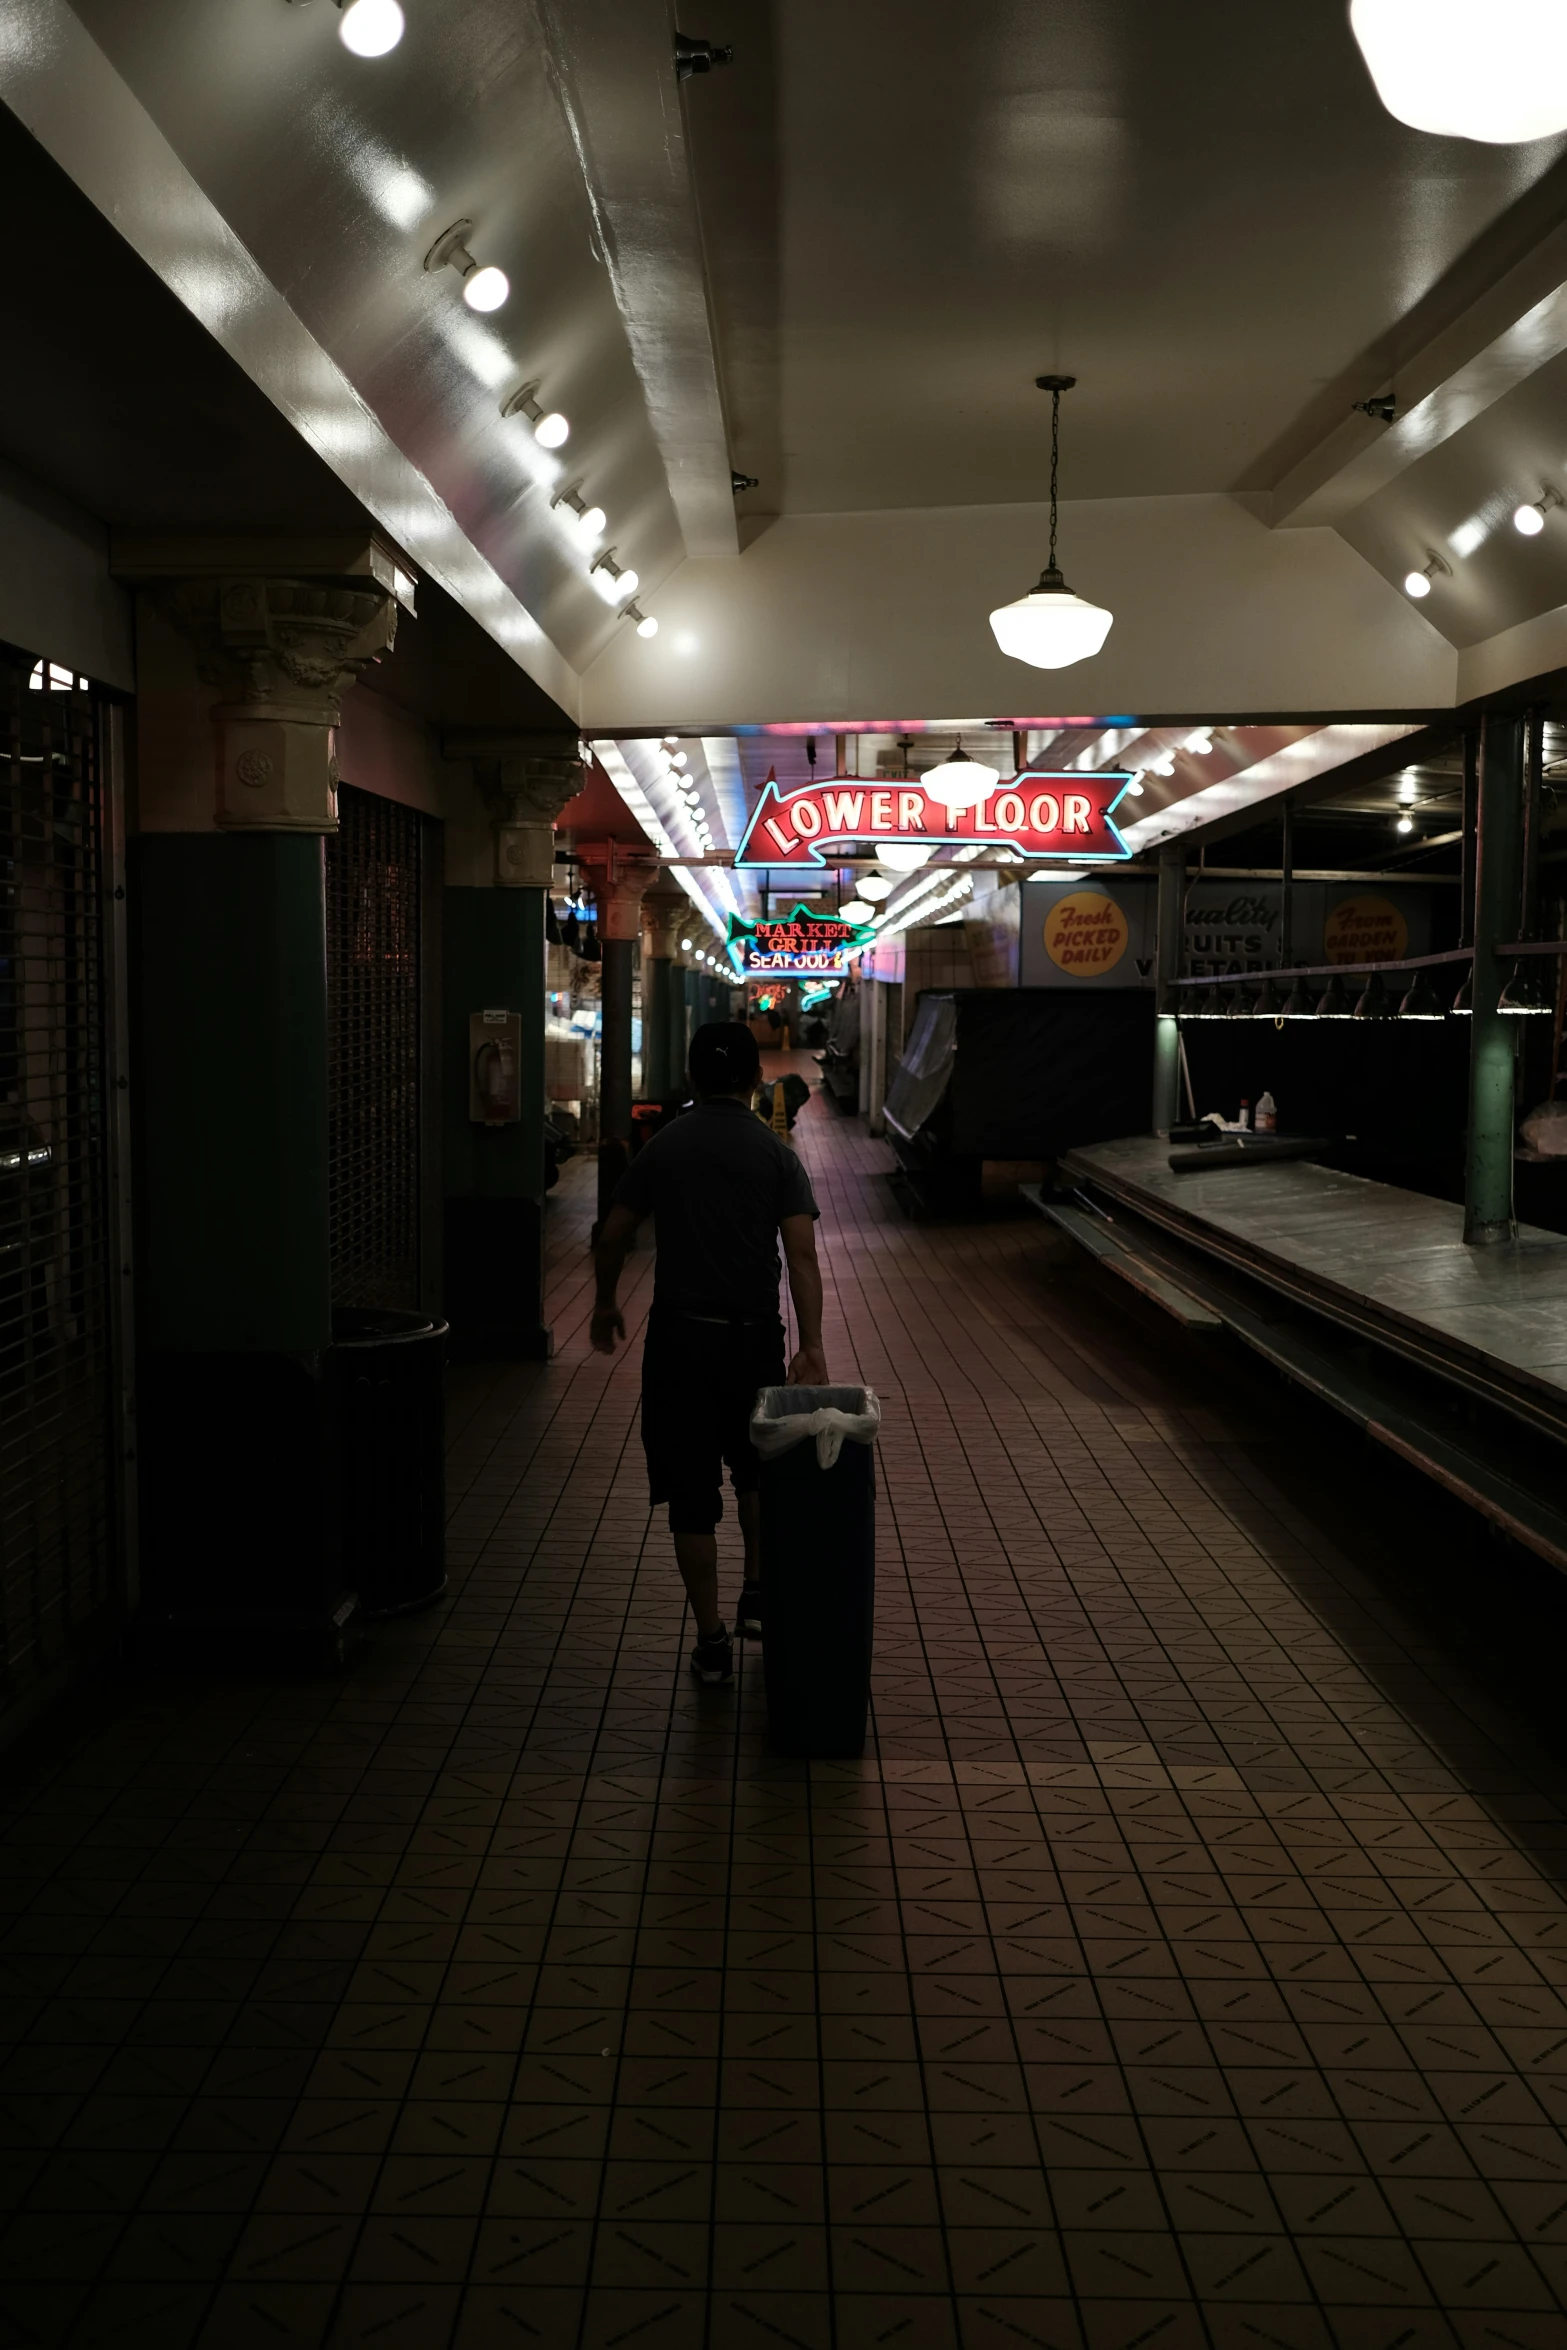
719, 1184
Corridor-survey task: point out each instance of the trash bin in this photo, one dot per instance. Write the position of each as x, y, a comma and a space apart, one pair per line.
386, 1390
818, 1563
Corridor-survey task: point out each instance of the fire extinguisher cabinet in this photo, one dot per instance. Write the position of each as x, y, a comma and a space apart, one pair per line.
386, 1396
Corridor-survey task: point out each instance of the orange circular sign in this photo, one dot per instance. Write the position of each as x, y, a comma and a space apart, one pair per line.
1365, 930
1086, 933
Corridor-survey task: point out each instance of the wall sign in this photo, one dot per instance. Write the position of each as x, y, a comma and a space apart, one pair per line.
795, 946
1086, 933
1365, 930
1038, 813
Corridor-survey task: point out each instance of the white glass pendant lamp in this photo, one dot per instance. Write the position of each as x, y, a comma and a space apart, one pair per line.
1493, 70
370, 28
1050, 628
961, 782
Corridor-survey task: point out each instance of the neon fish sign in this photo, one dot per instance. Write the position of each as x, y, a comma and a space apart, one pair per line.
801, 945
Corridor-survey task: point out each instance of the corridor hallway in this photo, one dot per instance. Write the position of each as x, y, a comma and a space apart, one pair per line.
1183, 1966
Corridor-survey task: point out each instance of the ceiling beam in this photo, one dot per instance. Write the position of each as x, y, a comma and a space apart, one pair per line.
613, 63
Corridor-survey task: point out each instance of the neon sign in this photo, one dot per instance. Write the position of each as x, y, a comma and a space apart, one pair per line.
801, 945
1039, 813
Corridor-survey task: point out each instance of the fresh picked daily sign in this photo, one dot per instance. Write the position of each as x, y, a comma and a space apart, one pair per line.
1039, 814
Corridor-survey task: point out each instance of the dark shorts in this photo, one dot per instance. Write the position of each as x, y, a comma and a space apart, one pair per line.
699, 1383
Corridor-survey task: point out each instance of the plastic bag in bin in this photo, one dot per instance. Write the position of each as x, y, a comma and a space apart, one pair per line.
783, 1417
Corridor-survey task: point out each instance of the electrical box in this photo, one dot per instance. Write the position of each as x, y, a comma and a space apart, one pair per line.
494, 1068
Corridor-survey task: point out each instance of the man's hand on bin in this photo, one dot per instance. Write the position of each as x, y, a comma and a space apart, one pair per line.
809, 1368
608, 1324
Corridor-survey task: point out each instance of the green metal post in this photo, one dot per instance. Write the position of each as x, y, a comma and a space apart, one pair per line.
1167, 952
1488, 1171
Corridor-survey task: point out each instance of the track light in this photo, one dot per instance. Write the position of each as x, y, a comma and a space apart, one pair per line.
550, 428
484, 287
370, 28
1530, 520
612, 582
1419, 1002
1418, 583
1522, 996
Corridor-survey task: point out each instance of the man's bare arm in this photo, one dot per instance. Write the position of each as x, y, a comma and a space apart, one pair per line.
809, 1367
618, 1232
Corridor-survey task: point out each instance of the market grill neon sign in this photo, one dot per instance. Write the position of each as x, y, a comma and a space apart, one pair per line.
1038, 813
801, 945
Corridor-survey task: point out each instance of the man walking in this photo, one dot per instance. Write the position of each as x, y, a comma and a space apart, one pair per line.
722, 1189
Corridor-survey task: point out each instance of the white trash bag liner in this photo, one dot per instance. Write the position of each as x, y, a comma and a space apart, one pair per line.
783, 1417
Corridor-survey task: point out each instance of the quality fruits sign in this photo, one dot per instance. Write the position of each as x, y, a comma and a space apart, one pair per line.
1037, 813
795, 946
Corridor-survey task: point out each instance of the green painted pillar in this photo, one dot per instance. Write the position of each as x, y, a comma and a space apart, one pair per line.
1488, 1169
664, 912
1171, 915
493, 956
240, 676
620, 878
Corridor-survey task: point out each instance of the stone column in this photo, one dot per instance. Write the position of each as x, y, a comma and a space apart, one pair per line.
1167, 964
621, 878
664, 912
494, 960
240, 675
1488, 1167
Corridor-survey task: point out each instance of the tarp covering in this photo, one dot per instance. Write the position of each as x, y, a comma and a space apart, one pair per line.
1025, 1073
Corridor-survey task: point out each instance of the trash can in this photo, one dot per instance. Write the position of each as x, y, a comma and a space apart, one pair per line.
386, 1395
818, 1563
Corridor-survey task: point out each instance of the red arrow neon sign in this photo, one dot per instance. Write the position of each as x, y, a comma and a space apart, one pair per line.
1038, 813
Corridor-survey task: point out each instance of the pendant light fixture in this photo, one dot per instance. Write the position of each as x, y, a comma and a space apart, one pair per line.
960, 782
1522, 996
1462, 1004
1419, 1001
1493, 70
1373, 1003
1050, 628
1300, 1003
1333, 1003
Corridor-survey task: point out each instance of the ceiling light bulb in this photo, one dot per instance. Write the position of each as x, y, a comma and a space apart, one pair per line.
591, 520
551, 431
1493, 70
685, 946
1405, 824
628, 583
647, 625
680, 759
486, 288
1200, 743
1416, 584
1529, 521
371, 27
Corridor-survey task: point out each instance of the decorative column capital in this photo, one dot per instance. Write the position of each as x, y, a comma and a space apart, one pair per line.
526, 779
621, 877
282, 653
665, 911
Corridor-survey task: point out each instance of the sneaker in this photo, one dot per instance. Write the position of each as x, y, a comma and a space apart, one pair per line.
714, 1660
748, 1612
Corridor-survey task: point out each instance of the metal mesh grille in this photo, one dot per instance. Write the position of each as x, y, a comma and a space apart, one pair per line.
56, 1511
372, 941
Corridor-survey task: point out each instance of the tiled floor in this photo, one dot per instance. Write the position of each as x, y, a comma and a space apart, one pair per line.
1185, 1968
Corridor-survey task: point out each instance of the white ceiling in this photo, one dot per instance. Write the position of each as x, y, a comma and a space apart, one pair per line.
840, 262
